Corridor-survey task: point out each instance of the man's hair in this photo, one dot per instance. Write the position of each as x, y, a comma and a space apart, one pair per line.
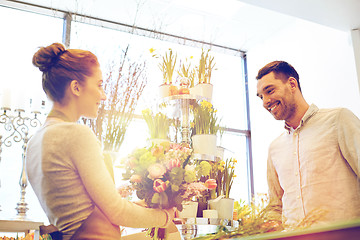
281, 69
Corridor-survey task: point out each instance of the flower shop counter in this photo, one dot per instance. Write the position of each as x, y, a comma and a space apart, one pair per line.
194, 227
347, 230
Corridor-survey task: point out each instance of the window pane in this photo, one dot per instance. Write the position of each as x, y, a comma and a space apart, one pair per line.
21, 35
228, 95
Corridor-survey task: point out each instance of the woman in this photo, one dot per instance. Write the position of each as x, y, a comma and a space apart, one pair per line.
65, 165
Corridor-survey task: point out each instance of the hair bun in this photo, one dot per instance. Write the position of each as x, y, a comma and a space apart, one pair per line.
46, 57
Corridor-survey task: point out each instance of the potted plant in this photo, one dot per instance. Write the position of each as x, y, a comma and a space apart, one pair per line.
224, 173
167, 67
187, 75
204, 71
204, 128
158, 125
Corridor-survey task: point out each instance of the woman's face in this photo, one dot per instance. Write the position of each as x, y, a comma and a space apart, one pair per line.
92, 94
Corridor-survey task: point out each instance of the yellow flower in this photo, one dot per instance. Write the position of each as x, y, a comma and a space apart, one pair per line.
192, 124
191, 57
151, 50
146, 111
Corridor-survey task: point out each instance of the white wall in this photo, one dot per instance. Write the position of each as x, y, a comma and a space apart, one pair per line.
325, 62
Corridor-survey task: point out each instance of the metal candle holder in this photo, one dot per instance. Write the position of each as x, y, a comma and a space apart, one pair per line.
18, 128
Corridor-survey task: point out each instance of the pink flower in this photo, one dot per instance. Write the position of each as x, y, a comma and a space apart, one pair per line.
173, 163
159, 185
211, 183
156, 170
125, 191
175, 146
135, 178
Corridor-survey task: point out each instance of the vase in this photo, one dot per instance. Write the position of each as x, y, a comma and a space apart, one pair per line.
204, 144
224, 207
204, 90
164, 90
189, 210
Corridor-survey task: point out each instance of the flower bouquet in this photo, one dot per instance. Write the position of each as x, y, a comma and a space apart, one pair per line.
161, 176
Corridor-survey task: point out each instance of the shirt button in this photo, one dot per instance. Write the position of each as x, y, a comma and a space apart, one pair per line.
298, 197
295, 153
296, 174
295, 134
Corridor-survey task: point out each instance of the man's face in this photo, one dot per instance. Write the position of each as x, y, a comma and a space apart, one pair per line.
277, 96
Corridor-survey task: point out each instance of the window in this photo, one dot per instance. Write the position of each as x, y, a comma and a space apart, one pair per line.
21, 35
34, 30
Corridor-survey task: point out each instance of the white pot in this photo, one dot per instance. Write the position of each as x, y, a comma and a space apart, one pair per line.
189, 210
224, 207
164, 90
210, 213
204, 144
204, 90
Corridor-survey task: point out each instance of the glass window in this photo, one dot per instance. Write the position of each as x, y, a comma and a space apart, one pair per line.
228, 94
21, 35
34, 30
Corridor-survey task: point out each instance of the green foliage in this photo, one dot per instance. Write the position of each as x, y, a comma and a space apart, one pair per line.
205, 118
158, 124
205, 67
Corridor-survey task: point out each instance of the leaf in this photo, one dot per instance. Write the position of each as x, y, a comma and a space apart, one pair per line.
156, 198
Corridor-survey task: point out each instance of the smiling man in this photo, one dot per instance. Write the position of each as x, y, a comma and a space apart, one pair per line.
314, 164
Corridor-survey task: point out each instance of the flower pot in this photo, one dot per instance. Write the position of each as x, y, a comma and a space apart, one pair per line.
164, 90
189, 210
210, 213
204, 90
224, 207
204, 144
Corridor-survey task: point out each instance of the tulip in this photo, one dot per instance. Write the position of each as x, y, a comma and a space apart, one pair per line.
211, 183
173, 163
159, 185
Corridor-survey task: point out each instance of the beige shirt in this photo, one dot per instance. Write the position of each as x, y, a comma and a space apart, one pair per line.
316, 167
66, 169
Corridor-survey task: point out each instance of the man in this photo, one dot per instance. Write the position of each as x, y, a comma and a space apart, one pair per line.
314, 164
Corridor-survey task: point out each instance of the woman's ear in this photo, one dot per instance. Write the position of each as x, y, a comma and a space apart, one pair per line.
75, 87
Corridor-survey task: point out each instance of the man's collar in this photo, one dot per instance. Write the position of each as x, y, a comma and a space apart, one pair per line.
309, 113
